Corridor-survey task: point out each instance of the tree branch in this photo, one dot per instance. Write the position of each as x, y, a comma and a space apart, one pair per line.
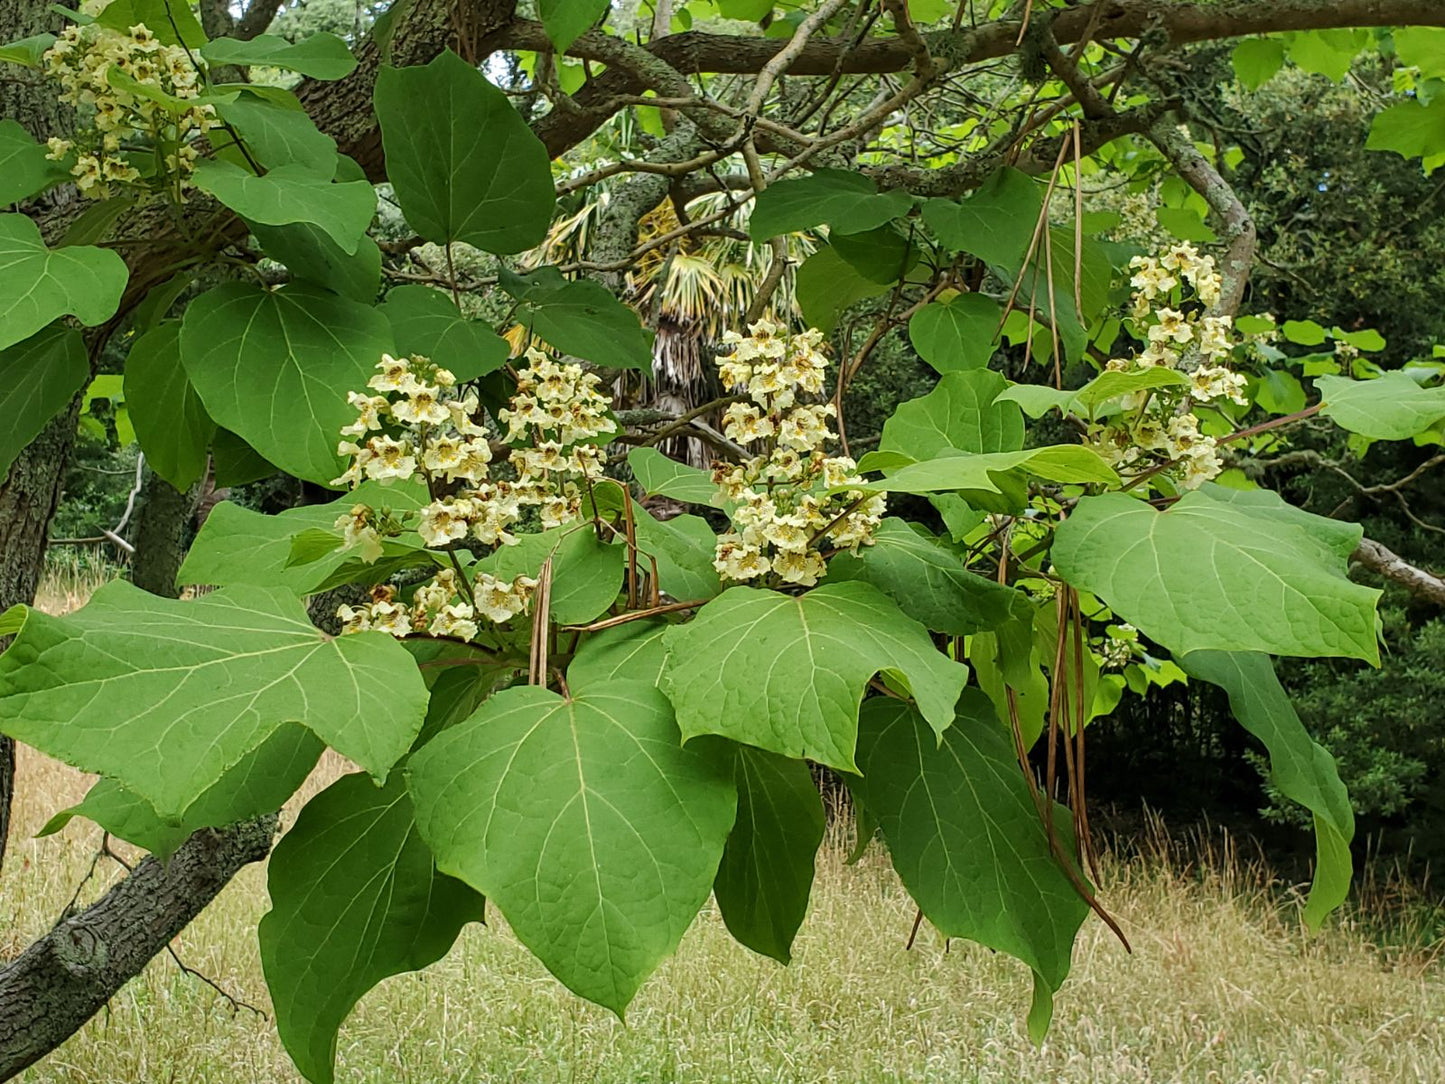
259, 14
63, 979
697, 52
1393, 567
1238, 233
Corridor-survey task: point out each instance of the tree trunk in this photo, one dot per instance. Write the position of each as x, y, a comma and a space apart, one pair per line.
63, 979
29, 493
28, 498
162, 531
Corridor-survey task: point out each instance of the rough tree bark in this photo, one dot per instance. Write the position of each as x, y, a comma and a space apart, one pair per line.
30, 491
63, 979
1394, 567
28, 498
162, 526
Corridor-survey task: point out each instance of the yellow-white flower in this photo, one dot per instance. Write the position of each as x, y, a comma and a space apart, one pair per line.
444, 522
456, 620
358, 532
501, 600
421, 405
389, 459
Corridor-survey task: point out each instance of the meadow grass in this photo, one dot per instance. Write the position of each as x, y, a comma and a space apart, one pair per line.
1223, 986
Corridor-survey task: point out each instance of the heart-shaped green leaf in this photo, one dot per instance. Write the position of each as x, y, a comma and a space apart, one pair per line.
787, 673
164, 696
584, 820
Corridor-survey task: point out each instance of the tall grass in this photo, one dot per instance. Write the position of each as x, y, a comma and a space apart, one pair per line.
1223, 986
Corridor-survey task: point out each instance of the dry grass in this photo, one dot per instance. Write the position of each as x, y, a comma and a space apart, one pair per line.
67, 584
1223, 986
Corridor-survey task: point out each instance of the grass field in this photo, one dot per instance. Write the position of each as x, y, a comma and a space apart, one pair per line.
1223, 986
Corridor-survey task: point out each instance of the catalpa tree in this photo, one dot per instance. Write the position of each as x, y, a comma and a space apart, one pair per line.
559, 699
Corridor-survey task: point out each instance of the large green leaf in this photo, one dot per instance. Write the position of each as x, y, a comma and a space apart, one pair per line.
171, 425
319, 55
274, 367
278, 132
661, 476
1037, 400
171, 21
960, 413
845, 201
630, 652
1070, 463
960, 333
1327, 52
38, 377
1390, 407
787, 673
1256, 60
586, 572
766, 874
240, 547
164, 696
1422, 47
463, 163
927, 579
1333, 540
1411, 130
426, 321
236, 463
966, 838
37, 285
24, 168
311, 256
1219, 574
995, 223
882, 255
584, 820
260, 782
567, 20
355, 898
580, 317
682, 548
826, 284
293, 193
1299, 767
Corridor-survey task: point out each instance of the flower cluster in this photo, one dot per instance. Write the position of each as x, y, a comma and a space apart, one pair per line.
1158, 428
440, 607
136, 98
416, 421
1121, 643
785, 500
555, 419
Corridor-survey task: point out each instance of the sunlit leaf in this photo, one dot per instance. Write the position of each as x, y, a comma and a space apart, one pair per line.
163, 696
38, 284
1217, 572
787, 673
584, 820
